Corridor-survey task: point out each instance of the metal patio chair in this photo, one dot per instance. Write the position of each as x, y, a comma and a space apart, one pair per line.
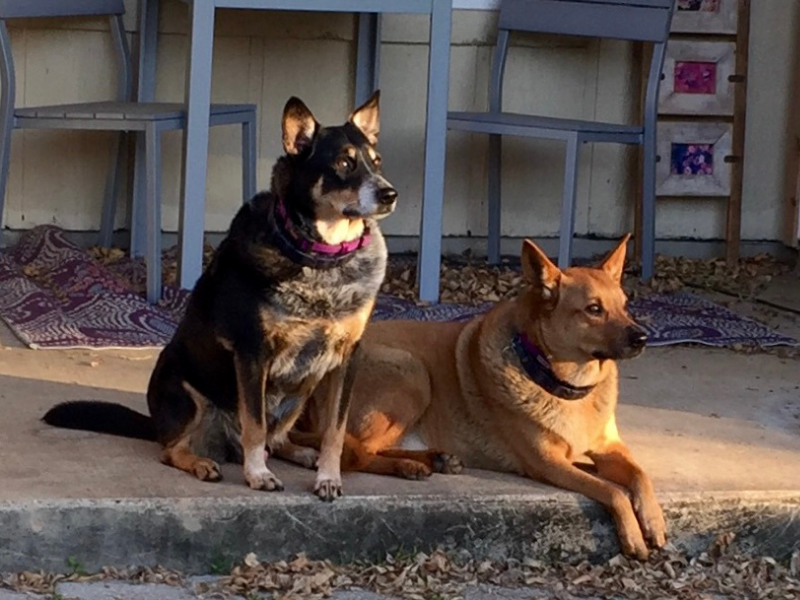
634, 20
147, 120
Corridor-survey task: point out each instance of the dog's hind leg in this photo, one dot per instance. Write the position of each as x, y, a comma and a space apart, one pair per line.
437, 462
251, 379
178, 452
299, 454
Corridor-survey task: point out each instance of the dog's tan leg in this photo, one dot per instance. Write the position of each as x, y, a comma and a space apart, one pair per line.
178, 453
548, 462
334, 412
333, 420
615, 463
251, 377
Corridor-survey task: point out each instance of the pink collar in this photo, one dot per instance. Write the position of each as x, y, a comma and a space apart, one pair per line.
306, 245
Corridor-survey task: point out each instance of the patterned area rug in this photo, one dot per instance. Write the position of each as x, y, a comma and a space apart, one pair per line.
54, 295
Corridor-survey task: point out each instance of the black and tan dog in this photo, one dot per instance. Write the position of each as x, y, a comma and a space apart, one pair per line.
283, 304
530, 388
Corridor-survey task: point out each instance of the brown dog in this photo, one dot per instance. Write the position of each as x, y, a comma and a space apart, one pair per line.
528, 388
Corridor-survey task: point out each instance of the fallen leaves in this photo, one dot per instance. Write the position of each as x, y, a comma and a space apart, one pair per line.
669, 574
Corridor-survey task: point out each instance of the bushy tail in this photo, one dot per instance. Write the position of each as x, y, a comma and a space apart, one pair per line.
101, 417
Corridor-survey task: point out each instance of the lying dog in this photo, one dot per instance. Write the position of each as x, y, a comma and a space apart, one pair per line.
528, 388
283, 304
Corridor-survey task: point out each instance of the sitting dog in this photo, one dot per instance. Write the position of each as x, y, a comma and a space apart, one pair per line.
283, 304
528, 388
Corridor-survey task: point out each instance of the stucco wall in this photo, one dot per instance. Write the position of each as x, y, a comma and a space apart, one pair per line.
265, 57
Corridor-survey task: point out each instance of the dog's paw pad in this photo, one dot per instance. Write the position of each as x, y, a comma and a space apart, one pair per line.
265, 481
206, 469
448, 464
328, 489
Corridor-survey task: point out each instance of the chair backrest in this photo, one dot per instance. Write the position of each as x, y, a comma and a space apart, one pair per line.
30, 9
633, 20
641, 20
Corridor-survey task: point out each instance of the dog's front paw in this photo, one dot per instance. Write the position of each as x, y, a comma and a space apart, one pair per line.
263, 479
651, 519
633, 544
328, 488
448, 464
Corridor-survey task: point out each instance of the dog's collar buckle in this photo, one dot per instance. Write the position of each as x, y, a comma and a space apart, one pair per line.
539, 369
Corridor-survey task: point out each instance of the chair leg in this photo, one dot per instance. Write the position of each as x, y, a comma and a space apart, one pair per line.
112, 193
249, 158
153, 210
138, 219
6, 129
494, 222
568, 203
7, 91
649, 205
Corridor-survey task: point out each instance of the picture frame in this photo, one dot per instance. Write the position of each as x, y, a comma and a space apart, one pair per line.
705, 17
697, 78
692, 159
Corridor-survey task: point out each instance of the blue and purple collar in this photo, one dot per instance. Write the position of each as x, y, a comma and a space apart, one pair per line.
539, 369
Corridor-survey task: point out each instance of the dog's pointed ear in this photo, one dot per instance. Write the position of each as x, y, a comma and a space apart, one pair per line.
614, 263
367, 117
539, 271
299, 126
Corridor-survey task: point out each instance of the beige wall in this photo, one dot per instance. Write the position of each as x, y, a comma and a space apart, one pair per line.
266, 57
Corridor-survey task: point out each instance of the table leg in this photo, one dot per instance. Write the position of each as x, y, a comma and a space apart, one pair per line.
195, 142
368, 55
145, 92
435, 146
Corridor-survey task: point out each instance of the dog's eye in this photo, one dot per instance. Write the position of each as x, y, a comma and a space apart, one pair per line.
594, 309
346, 164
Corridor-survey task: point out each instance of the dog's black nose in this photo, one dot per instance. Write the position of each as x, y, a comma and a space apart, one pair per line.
387, 195
637, 337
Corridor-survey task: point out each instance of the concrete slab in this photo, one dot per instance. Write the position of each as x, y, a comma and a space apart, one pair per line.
719, 433
120, 590
784, 291
9, 595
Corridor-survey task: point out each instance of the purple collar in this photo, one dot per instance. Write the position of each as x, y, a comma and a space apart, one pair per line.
539, 369
308, 252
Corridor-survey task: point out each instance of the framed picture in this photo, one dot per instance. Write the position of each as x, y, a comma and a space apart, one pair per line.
705, 16
692, 159
697, 78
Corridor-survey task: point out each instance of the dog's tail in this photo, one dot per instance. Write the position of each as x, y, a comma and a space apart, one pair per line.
102, 417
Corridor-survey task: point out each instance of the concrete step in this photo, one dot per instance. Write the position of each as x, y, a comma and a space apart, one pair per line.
718, 432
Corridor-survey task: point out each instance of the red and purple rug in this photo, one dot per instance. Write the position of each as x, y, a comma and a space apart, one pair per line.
53, 294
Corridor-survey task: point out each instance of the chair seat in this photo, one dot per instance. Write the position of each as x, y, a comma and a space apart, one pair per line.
123, 111
543, 127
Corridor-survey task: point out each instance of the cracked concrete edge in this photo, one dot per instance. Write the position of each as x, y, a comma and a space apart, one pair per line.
191, 535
